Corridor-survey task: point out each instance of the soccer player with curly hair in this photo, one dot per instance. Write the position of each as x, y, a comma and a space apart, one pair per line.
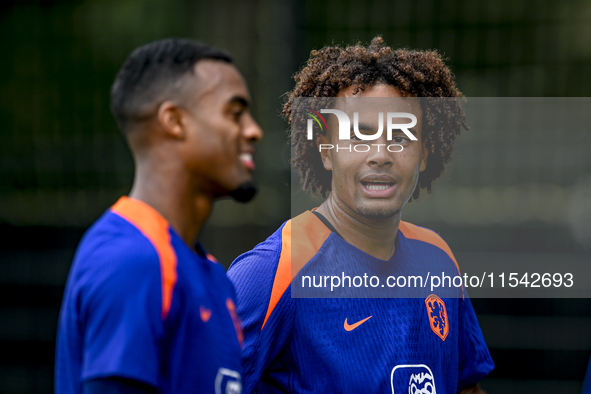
312, 343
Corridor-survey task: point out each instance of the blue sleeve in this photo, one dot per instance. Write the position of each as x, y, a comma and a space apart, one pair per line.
120, 311
474, 358
253, 275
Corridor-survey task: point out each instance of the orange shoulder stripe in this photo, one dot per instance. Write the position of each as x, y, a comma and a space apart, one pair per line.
211, 258
154, 227
422, 234
301, 238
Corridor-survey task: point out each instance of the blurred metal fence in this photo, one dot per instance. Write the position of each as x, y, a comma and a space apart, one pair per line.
62, 161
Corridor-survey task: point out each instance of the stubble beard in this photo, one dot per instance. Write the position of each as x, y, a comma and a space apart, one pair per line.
377, 213
245, 192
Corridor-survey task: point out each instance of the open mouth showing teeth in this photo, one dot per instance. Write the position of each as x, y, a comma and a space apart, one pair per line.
377, 185
246, 159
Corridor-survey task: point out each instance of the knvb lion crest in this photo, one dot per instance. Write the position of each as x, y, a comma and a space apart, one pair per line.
437, 316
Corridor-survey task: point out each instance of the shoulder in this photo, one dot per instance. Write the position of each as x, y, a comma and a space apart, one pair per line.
260, 262
252, 275
412, 231
112, 243
267, 271
427, 237
117, 259
285, 252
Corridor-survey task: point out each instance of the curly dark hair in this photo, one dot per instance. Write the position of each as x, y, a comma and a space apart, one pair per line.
415, 73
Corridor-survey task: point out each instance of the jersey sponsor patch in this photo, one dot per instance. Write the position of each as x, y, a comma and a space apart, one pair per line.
412, 379
437, 316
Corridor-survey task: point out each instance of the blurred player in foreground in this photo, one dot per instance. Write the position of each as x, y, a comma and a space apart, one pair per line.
145, 309
355, 345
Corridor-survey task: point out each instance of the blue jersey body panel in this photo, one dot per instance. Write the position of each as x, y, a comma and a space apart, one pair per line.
112, 322
305, 348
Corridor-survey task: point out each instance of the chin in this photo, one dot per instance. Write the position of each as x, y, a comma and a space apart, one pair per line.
375, 213
244, 192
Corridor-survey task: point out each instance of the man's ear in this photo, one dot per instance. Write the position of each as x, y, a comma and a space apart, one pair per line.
424, 155
322, 142
171, 118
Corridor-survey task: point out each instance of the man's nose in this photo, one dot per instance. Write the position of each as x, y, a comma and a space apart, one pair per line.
378, 155
252, 130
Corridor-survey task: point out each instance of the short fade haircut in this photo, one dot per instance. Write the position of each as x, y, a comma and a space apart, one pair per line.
153, 73
415, 73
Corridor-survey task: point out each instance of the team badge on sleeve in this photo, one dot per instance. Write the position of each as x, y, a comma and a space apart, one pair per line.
437, 316
412, 379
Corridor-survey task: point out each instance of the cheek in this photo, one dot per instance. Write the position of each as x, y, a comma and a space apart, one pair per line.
341, 173
411, 162
347, 164
221, 146
211, 155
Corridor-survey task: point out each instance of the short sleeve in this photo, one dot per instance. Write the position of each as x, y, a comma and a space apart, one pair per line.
120, 313
475, 361
253, 275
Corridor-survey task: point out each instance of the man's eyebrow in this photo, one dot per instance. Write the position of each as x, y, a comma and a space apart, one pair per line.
413, 130
239, 100
363, 126
369, 127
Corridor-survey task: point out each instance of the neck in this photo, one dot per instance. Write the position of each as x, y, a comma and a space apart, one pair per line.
168, 192
376, 237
